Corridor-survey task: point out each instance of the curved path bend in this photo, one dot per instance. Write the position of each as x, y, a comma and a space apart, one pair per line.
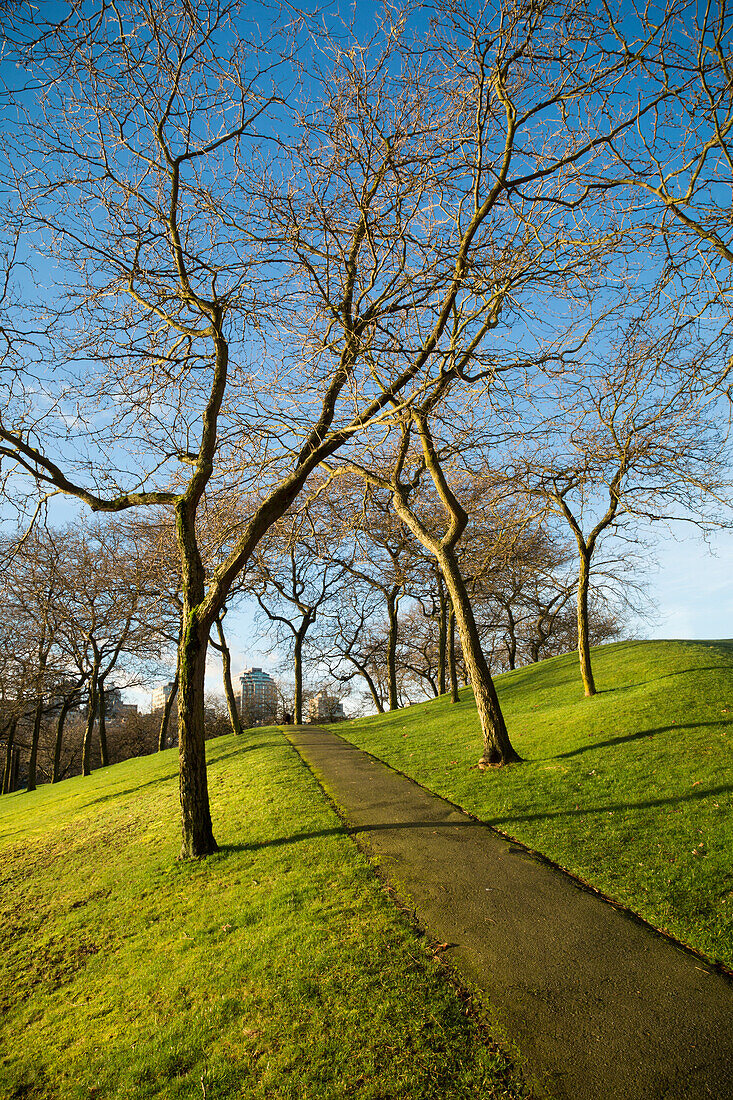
600, 1006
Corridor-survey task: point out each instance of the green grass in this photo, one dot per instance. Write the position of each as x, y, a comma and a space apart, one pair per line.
278, 968
631, 790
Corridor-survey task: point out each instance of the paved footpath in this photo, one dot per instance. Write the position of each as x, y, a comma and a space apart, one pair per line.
600, 1006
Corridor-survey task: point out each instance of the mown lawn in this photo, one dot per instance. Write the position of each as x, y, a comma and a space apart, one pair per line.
277, 968
631, 790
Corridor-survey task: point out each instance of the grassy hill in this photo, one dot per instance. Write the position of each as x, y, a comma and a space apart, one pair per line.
278, 968
631, 790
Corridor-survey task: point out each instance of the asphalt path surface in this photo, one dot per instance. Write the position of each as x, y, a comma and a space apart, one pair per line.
600, 1006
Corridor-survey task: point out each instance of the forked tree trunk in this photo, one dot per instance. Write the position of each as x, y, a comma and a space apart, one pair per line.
454, 696
167, 711
586, 670
8, 769
197, 834
498, 749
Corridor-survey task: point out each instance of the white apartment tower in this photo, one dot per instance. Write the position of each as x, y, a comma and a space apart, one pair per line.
258, 698
161, 694
325, 708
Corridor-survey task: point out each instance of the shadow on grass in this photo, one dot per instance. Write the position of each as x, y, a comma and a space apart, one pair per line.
664, 676
638, 736
473, 823
343, 830
584, 811
118, 793
215, 757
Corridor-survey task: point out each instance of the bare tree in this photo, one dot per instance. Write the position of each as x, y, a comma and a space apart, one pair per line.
633, 440
420, 179
291, 582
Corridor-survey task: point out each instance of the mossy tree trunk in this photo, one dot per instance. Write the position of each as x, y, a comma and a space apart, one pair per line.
197, 833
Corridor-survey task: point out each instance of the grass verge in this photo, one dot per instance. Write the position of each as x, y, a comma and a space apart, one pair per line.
277, 968
632, 790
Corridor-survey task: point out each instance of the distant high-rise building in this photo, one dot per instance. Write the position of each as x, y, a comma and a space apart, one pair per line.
161, 695
325, 708
258, 698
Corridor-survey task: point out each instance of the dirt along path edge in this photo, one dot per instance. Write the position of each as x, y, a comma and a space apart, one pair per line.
600, 1006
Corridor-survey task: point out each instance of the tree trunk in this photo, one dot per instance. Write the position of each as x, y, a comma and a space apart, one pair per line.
15, 770
35, 735
511, 641
102, 697
298, 673
197, 833
498, 749
442, 636
8, 769
454, 696
583, 637
167, 710
86, 752
392, 603
370, 684
58, 742
226, 665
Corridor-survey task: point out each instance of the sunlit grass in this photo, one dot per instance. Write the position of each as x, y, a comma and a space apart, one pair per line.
277, 968
632, 790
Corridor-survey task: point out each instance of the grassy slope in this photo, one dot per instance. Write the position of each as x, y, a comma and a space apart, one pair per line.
632, 790
277, 968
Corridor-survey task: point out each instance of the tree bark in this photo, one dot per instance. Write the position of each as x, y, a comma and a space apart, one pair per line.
442, 636
498, 749
58, 741
167, 710
454, 696
86, 752
197, 834
586, 670
15, 770
226, 666
102, 702
298, 674
8, 769
392, 604
370, 684
35, 735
